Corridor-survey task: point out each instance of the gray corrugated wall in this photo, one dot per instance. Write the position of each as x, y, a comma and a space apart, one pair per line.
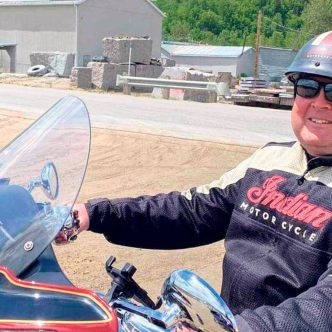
274, 62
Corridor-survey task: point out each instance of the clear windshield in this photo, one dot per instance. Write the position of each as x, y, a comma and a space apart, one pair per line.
41, 173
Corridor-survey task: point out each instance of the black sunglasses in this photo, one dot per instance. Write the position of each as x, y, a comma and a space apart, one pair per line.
309, 88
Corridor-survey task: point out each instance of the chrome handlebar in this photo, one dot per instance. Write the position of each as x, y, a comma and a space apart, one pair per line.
187, 300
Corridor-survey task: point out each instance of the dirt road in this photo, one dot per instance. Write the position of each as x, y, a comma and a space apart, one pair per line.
130, 164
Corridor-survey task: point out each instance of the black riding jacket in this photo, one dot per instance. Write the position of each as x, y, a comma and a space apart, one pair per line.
274, 211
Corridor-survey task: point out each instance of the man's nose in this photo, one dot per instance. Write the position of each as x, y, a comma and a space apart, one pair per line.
320, 101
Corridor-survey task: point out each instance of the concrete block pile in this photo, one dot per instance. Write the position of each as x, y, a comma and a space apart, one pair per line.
57, 63
187, 74
115, 61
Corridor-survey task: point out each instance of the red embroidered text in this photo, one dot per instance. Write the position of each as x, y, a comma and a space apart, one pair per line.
296, 207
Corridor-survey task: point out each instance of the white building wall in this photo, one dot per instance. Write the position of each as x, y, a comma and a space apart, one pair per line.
100, 19
209, 64
4, 61
246, 63
37, 29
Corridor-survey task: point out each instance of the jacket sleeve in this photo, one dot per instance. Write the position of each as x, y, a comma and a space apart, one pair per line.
175, 220
164, 221
308, 312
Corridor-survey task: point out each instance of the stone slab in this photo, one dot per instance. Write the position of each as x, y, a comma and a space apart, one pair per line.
117, 50
151, 71
168, 62
60, 63
40, 58
187, 74
103, 75
199, 95
81, 77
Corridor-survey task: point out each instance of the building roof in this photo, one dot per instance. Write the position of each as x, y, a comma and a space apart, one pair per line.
58, 2
39, 2
155, 7
5, 44
204, 50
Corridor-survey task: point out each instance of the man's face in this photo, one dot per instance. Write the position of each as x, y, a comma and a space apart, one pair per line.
312, 121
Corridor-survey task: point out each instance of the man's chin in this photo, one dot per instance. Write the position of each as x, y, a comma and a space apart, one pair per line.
316, 149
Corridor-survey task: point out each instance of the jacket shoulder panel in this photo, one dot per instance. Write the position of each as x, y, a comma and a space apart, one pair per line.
289, 157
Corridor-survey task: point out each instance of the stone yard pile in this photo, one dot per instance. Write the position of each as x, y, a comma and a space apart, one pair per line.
115, 60
56, 63
187, 74
121, 54
117, 50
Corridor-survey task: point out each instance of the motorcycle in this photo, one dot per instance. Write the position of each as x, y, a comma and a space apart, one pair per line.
41, 173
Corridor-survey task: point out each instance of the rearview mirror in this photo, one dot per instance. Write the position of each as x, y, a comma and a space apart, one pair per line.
48, 180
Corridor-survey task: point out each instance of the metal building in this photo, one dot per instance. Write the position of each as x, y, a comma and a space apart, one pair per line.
273, 62
71, 26
240, 61
209, 58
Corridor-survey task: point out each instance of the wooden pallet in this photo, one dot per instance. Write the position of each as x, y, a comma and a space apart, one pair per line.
267, 96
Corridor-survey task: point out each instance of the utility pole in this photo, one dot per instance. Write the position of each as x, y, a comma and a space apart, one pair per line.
258, 42
129, 60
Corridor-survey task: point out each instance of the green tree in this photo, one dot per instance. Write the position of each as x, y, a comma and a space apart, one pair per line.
210, 21
226, 22
180, 31
317, 17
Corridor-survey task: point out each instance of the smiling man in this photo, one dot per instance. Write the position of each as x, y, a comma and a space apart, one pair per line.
274, 211
312, 113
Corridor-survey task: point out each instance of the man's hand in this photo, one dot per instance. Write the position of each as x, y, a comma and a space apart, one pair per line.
82, 216
181, 328
78, 222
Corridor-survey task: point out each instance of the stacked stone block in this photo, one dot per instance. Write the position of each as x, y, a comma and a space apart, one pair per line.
115, 62
117, 50
81, 77
199, 95
165, 62
40, 58
225, 80
187, 74
123, 70
104, 74
59, 63
225, 77
151, 71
